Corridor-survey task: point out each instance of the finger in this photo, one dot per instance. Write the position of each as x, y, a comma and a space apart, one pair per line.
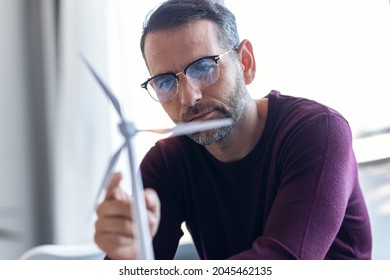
113, 190
118, 226
152, 200
109, 241
153, 207
114, 208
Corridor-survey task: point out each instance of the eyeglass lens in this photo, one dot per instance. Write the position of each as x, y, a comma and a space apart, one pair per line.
201, 73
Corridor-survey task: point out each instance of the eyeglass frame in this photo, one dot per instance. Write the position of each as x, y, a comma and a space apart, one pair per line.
216, 58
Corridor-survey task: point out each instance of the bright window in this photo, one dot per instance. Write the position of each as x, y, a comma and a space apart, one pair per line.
336, 52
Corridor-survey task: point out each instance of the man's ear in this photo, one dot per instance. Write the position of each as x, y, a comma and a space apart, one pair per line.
247, 60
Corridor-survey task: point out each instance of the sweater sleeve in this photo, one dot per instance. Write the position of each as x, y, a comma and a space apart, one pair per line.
318, 172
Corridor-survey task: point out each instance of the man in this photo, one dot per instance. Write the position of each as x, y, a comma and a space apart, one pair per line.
280, 183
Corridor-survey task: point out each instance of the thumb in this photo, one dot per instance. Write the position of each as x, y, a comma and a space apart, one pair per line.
113, 190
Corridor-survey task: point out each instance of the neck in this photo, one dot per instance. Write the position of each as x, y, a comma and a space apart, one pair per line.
245, 135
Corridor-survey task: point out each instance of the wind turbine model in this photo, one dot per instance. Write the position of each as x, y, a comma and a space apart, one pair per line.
128, 130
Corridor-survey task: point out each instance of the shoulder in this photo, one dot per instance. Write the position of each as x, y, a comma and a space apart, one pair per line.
292, 112
297, 126
298, 107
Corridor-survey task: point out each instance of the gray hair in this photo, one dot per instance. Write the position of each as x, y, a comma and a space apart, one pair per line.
176, 13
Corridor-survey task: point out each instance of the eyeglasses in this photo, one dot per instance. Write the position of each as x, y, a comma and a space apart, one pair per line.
201, 73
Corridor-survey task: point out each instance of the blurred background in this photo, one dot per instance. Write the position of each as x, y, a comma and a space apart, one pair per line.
58, 131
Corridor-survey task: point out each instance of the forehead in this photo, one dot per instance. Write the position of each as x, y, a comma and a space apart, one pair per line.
172, 50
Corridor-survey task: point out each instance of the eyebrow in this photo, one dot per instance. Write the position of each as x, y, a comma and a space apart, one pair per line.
182, 71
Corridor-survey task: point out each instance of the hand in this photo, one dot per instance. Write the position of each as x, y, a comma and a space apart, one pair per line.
114, 232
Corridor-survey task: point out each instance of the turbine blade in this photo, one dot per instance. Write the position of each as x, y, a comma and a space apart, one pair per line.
192, 127
109, 173
105, 88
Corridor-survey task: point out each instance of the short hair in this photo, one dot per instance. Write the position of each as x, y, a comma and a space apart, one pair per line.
173, 14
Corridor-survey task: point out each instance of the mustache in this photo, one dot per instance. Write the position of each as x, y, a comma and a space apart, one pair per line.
201, 108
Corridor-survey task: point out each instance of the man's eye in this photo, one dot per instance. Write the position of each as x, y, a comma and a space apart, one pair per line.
163, 84
200, 68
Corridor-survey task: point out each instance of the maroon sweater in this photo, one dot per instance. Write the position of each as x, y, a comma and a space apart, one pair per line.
295, 196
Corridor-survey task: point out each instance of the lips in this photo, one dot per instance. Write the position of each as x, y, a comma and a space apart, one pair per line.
202, 111
199, 117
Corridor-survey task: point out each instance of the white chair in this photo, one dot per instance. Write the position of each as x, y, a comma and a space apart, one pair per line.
64, 252
90, 252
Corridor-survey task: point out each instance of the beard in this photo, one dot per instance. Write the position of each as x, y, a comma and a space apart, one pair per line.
236, 103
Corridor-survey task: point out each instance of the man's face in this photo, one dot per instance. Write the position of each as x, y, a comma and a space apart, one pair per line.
172, 51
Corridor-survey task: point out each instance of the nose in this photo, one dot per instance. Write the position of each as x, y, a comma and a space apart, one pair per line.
189, 94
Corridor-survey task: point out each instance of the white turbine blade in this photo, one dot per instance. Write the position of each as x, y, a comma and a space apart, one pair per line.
105, 88
192, 127
109, 173
156, 130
